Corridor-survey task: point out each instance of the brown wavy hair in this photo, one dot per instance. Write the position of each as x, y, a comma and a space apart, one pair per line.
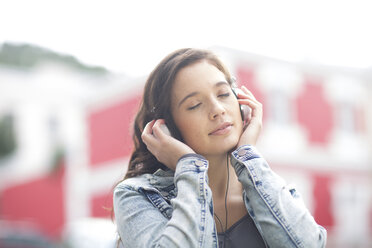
156, 104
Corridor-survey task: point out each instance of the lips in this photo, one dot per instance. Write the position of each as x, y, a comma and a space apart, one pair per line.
222, 129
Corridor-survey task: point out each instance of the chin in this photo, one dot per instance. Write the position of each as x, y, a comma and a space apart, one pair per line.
228, 145
217, 148
219, 145
232, 145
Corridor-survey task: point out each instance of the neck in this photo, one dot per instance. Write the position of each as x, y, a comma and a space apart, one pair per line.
227, 192
217, 174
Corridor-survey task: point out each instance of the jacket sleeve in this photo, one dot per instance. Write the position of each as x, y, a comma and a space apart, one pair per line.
277, 208
141, 224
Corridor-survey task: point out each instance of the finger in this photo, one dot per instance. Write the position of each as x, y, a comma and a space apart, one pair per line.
245, 95
147, 134
150, 142
248, 92
254, 105
251, 103
148, 127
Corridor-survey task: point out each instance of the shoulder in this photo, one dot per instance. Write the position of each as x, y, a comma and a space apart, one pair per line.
134, 182
158, 180
138, 190
128, 192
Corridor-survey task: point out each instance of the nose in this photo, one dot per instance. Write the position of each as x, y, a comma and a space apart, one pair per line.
216, 110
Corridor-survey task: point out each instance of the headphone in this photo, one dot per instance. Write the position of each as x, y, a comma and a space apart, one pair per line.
245, 110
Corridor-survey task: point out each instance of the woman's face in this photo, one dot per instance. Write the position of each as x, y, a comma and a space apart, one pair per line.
205, 110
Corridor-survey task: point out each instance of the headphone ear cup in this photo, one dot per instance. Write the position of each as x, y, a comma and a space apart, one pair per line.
245, 112
165, 129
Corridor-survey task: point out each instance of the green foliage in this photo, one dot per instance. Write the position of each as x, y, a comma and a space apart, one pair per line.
7, 136
25, 56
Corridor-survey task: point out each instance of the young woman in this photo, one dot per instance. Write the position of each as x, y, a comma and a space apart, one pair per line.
204, 184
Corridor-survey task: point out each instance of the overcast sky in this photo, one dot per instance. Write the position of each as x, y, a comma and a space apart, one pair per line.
132, 36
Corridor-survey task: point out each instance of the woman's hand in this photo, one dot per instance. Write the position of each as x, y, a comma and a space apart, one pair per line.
164, 147
252, 130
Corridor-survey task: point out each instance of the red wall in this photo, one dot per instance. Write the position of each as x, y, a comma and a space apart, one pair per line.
39, 202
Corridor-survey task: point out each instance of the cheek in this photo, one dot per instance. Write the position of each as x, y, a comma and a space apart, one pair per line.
189, 129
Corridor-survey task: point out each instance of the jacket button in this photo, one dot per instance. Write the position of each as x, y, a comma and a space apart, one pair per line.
199, 163
242, 152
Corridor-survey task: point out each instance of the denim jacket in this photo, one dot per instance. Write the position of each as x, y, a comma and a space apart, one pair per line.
175, 209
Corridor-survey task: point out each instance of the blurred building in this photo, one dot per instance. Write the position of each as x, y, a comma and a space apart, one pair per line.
68, 137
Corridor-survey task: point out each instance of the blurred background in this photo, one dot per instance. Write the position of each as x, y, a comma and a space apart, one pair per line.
71, 79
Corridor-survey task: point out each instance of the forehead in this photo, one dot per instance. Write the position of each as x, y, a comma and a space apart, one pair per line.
196, 77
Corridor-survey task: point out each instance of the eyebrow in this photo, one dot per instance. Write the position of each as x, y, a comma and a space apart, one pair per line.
218, 84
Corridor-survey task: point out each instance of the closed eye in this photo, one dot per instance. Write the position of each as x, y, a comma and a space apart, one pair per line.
194, 107
224, 95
